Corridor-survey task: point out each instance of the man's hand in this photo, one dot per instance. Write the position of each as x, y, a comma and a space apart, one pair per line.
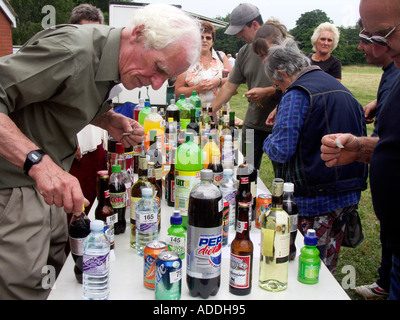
57, 186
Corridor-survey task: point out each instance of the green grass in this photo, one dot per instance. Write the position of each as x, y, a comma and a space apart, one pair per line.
363, 82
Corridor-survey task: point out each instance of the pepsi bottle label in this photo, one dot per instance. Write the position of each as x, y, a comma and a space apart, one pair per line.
204, 252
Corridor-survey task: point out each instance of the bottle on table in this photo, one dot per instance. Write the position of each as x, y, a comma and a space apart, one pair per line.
170, 181
235, 136
188, 163
247, 168
216, 167
79, 229
171, 139
127, 178
309, 260
118, 198
144, 112
196, 102
241, 259
275, 243
104, 210
208, 150
244, 194
157, 191
172, 111
193, 126
146, 220
204, 238
137, 109
176, 239
96, 263
154, 121
225, 130
136, 195
227, 153
156, 156
229, 188
290, 206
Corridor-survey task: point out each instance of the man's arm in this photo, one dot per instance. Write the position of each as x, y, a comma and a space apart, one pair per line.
54, 184
224, 95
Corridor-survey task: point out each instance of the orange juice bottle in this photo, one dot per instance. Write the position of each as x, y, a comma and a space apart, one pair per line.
153, 121
208, 150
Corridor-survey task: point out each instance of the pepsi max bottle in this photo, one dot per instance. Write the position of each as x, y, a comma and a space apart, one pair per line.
204, 237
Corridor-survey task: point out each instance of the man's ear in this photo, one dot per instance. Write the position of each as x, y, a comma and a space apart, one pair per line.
137, 33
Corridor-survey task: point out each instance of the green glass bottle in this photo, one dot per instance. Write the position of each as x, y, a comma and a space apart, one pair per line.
309, 260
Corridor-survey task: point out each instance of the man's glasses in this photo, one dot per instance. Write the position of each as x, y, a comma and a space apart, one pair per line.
377, 39
208, 38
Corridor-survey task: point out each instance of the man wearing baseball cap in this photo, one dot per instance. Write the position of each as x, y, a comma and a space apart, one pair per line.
245, 21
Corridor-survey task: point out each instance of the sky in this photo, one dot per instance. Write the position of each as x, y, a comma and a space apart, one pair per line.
341, 12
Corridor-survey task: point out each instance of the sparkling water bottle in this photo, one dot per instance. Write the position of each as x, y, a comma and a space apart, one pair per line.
96, 263
146, 220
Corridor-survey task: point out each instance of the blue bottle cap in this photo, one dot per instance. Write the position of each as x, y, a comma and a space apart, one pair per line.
176, 218
310, 238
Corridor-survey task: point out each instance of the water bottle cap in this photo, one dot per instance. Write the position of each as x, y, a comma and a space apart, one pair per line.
311, 238
147, 192
96, 225
228, 172
116, 168
176, 218
288, 187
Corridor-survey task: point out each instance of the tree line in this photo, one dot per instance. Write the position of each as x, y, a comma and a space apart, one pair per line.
30, 18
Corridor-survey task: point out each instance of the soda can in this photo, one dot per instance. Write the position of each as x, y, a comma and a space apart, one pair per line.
168, 276
225, 73
151, 252
263, 204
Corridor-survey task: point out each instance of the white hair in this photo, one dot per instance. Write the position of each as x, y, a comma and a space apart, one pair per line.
326, 26
165, 25
286, 57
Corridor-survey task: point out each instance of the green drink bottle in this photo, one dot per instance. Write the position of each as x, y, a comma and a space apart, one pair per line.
309, 260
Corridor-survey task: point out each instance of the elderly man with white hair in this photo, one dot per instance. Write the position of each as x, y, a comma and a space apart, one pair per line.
54, 86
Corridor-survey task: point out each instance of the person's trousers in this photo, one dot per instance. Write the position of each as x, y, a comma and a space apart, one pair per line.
32, 241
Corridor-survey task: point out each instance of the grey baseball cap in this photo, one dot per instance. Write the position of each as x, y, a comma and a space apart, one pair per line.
243, 13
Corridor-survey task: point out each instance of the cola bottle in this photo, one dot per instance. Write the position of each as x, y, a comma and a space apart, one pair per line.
118, 198
79, 229
204, 237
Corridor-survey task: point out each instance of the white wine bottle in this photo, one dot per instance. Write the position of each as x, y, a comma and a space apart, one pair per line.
275, 243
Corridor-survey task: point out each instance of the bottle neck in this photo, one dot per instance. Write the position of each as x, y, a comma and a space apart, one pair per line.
242, 223
276, 202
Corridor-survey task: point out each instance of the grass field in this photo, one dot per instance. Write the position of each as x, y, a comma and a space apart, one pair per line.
363, 82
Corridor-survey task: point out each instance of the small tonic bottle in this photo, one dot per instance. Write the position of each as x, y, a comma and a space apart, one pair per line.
275, 243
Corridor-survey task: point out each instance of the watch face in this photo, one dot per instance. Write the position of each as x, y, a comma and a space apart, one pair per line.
35, 156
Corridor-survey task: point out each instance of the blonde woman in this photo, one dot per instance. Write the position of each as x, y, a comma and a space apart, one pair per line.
324, 40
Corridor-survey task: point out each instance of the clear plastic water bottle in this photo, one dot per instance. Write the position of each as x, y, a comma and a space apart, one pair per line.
146, 220
96, 263
228, 187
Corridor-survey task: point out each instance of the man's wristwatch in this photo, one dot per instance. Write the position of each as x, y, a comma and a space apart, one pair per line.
33, 157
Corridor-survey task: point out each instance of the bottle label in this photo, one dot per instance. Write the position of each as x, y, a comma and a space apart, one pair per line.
241, 226
176, 244
204, 252
293, 222
118, 200
240, 271
184, 183
244, 180
147, 222
95, 264
76, 245
309, 271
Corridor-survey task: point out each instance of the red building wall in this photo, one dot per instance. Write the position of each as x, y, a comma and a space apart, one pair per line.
5, 35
